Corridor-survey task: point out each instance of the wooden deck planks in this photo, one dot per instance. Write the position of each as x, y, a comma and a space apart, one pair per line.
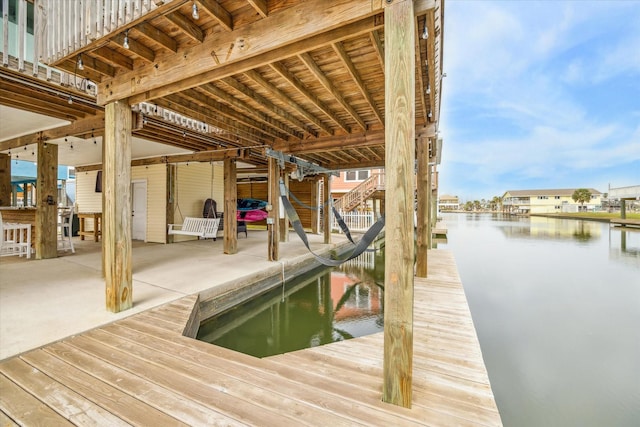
141, 370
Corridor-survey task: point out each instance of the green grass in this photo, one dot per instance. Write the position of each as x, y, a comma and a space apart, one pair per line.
595, 215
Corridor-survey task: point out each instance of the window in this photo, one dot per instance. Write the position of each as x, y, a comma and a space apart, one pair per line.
557, 197
543, 197
13, 13
356, 175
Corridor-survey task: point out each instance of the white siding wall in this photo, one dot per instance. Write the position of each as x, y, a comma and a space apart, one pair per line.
87, 200
196, 183
156, 178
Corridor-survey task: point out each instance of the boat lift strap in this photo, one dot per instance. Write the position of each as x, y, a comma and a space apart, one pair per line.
359, 248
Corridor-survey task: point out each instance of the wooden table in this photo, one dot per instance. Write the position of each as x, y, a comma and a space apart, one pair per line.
97, 225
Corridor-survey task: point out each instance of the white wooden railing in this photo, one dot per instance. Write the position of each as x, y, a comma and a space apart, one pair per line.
22, 51
356, 221
361, 193
74, 24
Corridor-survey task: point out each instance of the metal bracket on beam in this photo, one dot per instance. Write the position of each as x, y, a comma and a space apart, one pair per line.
303, 167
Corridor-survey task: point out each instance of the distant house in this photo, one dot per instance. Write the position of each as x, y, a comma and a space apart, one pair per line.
548, 201
350, 180
448, 203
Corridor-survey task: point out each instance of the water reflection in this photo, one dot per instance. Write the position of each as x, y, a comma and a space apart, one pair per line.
556, 305
324, 306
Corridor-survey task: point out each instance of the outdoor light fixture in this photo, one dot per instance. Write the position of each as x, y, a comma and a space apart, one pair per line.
194, 11
80, 63
425, 34
125, 43
430, 115
70, 100
428, 91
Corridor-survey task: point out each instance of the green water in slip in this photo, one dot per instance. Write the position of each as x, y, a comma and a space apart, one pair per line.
323, 306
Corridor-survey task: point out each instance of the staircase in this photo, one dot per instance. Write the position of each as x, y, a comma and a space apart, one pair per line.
361, 193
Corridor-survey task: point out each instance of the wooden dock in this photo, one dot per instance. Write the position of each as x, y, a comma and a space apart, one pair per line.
634, 223
143, 371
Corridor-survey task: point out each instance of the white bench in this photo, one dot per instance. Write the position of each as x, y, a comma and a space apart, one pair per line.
206, 228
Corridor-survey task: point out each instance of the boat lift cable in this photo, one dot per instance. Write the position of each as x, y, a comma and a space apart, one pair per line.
359, 248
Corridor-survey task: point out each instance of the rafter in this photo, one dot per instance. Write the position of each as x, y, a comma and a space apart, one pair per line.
136, 47
158, 36
273, 90
186, 26
219, 13
319, 74
377, 44
346, 61
230, 81
260, 6
248, 109
293, 81
113, 57
333, 143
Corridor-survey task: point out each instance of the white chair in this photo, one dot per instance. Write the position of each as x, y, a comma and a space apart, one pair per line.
15, 239
65, 222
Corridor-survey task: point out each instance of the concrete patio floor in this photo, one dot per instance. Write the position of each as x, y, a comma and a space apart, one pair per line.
42, 301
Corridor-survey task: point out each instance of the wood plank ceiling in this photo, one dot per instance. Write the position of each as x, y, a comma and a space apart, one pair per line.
324, 104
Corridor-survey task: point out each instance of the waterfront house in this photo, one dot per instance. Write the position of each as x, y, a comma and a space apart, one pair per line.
548, 201
447, 202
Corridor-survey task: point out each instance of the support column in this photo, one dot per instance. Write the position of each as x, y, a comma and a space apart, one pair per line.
284, 221
5, 180
315, 215
171, 191
273, 224
46, 236
423, 207
328, 213
399, 24
116, 214
230, 207
623, 209
429, 203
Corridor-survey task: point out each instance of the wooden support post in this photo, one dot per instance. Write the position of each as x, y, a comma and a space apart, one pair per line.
171, 192
46, 236
5, 180
230, 207
315, 215
284, 220
273, 224
423, 207
116, 215
428, 201
399, 24
328, 214
623, 209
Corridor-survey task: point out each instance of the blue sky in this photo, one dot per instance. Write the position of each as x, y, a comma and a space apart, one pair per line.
540, 94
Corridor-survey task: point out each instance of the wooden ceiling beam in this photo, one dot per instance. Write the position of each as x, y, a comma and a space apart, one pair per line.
136, 47
43, 97
260, 6
361, 165
234, 132
346, 61
113, 57
192, 66
219, 108
72, 68
277, 93
186, 26
422, 75
78, 127
334, 143
328, 85
28, 102
98, 66
293, 81
379, 48
152, 33
249, 110
219, 13
285, 115
202, 156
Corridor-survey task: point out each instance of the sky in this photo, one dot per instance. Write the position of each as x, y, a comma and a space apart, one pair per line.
540, 95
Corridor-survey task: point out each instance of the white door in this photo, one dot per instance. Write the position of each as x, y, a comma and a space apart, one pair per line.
139, 211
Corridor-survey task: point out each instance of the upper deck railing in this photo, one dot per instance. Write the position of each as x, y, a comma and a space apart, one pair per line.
72, 25
22, 44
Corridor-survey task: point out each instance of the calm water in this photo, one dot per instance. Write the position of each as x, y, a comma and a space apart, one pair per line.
321, 307
556, 304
